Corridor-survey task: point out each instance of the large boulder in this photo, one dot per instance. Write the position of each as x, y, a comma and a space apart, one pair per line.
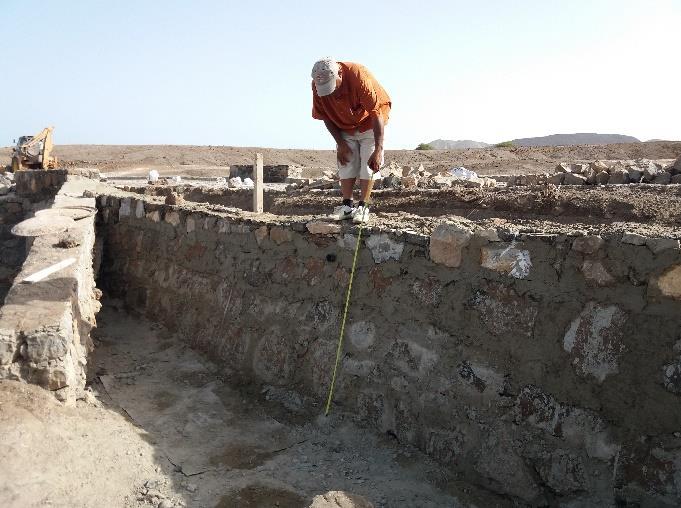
578, 168
557, 178
619, 176
392, 181
590, 175
650, 170
662, 178
677, 165
635, 173
602, 178
573, 179
599, 166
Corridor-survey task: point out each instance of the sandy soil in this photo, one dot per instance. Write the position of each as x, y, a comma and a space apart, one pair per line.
213, 160
162, 429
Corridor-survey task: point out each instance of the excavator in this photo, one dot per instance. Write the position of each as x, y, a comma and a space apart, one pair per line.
34, 152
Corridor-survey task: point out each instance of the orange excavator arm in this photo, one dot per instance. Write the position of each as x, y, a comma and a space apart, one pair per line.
45, 136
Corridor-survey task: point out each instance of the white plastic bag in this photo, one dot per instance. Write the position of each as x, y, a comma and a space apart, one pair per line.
152, 177
235, 182
463, 173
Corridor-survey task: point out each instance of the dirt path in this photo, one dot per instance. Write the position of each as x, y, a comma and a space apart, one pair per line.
165, 431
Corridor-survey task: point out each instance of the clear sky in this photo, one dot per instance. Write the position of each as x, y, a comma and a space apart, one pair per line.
238, 73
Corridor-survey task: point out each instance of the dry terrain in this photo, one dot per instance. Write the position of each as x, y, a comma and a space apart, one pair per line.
161, 427
213, 160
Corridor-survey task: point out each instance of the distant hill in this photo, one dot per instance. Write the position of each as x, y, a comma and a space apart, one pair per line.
449, 144
580, 138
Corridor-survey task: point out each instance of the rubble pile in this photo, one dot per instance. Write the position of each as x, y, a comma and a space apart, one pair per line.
607, 172
396, 177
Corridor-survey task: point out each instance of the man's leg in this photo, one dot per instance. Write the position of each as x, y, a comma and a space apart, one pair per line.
366, 148
364, 190
347, 174
347, 185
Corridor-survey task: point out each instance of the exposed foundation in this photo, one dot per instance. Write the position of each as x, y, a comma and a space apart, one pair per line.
513, 358
45, 326
538, 360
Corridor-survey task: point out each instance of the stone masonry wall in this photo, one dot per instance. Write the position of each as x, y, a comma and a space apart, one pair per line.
545, 367
45, 326
39, 185
271, 173
236, 198
13, 210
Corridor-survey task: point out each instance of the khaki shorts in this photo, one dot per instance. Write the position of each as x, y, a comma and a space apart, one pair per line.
362, 146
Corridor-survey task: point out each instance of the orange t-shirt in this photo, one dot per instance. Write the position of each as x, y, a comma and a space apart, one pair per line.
350, 106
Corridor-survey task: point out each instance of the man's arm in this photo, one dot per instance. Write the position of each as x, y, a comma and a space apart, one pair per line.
342, 148
334, 131
376, 160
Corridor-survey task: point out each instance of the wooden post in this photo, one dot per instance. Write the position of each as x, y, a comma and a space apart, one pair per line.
257, 184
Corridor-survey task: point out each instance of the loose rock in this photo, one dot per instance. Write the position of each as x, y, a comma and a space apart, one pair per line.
602, 178
573, 179
619, 176
662, 178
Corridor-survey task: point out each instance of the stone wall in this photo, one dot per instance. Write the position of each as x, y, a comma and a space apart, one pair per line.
45, 326
13, 209
546, 367
271, 173
236, 198
607, 173
38, 185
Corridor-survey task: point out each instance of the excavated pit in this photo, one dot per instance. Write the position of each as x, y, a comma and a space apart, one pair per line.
512, 351
525, 341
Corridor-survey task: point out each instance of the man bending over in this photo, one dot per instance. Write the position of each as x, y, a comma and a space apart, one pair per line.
355, 109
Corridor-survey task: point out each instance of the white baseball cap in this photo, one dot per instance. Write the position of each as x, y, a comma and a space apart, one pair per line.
324, 74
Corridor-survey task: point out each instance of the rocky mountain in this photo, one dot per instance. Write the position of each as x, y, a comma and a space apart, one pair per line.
580, 138
449, 144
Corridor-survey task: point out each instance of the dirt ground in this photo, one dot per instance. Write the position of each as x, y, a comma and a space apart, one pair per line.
650, 210
162, 429
213, 160
648, 205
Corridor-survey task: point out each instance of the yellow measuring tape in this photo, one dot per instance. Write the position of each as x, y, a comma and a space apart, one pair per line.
345, 315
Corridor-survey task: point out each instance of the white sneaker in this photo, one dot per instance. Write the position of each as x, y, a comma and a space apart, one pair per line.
344, 212
361, 215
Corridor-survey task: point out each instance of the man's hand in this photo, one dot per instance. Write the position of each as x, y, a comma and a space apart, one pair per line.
376, 160
343, 152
